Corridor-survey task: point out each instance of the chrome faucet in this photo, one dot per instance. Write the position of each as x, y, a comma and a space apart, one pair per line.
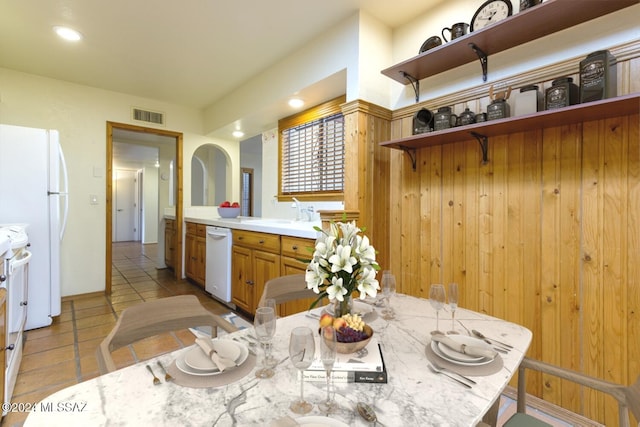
298, 206
308, 211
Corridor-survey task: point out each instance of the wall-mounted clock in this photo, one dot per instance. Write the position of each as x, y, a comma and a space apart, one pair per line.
490, 12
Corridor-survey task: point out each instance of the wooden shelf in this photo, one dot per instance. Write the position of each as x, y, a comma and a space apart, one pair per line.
614, 107
530, 24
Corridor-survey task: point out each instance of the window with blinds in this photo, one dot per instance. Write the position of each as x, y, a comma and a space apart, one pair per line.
312, 153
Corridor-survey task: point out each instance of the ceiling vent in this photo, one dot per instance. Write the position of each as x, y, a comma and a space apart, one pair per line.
147, 116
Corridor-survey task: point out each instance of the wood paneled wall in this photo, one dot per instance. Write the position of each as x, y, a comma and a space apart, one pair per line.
546, 234
367, 171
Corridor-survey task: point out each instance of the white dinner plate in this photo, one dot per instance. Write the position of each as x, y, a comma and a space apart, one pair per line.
182, 365
359, 307
316, 421
436, 350
463, 339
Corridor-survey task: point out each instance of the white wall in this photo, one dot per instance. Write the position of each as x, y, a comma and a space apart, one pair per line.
80, 114
334, 51
150, 205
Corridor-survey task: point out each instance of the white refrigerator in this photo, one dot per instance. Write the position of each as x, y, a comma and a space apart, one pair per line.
33, 190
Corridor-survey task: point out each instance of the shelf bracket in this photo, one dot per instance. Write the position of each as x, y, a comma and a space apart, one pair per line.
412, 155
483, 59
484, 145
414, 83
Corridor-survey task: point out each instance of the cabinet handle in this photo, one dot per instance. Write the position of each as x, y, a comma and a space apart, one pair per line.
23, 303
240, 238
3, 277
249, 282
261, 242
11, 347
294, 247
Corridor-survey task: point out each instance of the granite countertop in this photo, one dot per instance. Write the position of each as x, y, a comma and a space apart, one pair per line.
414, 394
283, 227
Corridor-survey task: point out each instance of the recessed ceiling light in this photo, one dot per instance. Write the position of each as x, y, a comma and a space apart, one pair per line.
238, 133
296, 102
68, 33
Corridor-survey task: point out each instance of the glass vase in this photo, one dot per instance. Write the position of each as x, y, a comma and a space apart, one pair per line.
340, 308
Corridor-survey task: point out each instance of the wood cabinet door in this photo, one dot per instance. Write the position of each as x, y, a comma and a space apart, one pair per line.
201, 263
293, 266
266, 266
241, 280
169, 243
190, 256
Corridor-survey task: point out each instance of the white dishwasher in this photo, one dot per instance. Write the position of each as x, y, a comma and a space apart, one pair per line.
218, 271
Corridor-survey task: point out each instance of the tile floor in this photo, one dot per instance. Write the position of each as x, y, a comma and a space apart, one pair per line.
63, 354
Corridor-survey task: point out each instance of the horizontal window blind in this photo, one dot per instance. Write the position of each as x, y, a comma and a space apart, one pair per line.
312, 156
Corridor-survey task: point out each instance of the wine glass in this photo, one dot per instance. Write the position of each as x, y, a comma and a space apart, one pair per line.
270, 361
302, 348
388, 290
264, 323
453, 303
436, 298
328, 356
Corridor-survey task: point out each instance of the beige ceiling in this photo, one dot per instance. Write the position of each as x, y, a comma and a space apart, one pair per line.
188, 52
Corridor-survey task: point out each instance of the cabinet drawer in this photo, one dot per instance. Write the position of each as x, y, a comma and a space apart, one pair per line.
296, 247
252, 239
199, 230
191, 227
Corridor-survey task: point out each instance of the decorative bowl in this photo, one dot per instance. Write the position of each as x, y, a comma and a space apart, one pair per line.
228, 212
352, 347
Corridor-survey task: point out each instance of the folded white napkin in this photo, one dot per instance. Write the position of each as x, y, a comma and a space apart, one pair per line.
471, 350
206, 344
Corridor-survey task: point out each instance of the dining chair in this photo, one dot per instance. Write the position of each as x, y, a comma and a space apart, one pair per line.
628, 397
155, 317
285, 289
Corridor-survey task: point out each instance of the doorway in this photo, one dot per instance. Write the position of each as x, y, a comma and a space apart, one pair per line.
125, 205
246, 192
175, 190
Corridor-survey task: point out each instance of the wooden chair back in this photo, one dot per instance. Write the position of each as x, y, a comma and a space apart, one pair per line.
155, 317
628, 397
286, 288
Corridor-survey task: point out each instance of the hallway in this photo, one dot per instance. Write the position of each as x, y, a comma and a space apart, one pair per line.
63, 354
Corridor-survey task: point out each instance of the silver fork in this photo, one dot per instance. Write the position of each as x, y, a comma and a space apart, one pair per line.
453, 375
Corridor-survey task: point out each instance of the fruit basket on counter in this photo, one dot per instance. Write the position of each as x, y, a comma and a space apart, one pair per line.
227, 209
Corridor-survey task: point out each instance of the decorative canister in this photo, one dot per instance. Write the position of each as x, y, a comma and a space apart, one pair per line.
529, 101
562, 93
481, 117
466, 117
498, 109
444, 119
526, 4
598, 76
422, 121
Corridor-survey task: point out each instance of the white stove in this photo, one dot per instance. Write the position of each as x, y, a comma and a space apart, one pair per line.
16, 256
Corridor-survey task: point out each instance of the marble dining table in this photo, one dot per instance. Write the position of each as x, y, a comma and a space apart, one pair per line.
413, 396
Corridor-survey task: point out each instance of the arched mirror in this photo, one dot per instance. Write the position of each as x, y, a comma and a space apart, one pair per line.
209, 175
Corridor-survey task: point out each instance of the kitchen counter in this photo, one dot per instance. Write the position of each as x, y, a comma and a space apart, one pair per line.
283, 227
